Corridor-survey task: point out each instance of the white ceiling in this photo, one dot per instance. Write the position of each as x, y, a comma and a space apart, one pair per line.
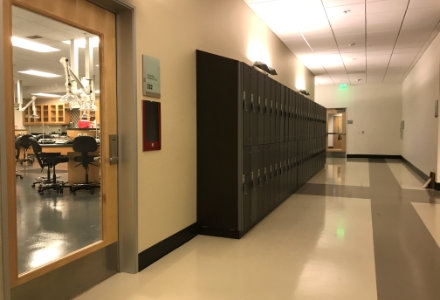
353, 41
340, 41
35, 27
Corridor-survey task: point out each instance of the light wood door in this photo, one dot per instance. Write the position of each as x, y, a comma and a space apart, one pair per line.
90, 18
336, 130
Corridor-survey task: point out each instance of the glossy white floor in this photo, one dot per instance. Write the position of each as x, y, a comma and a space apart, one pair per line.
311, 247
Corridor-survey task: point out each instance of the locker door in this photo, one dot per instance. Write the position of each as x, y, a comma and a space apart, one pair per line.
260, 182
273, 186
253, 186
247, 195
278, 183
261, 107
287, 105
285, 171
253, 106
276, 116
282, 115
267, 188
246, 98
273, 96
268, 103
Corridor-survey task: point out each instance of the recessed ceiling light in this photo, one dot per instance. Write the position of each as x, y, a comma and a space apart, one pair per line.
39, 73
31, 45
81, 43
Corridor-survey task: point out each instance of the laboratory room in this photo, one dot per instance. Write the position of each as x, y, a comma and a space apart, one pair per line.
57, 138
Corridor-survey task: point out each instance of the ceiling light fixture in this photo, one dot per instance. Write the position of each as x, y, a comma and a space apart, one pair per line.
39, 73
31, 45
81, 43
46, 95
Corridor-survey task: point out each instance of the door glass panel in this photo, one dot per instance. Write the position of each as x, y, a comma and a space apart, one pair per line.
336, 130
57, 129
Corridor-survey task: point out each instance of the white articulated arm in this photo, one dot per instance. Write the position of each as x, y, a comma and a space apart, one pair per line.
71, 79
23, 108
31, 102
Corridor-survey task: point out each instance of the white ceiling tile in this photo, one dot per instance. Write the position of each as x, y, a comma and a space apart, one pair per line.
396, 34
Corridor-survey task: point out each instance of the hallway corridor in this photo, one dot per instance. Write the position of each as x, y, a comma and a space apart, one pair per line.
360, 229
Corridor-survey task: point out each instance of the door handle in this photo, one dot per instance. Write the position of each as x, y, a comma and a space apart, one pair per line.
113, 149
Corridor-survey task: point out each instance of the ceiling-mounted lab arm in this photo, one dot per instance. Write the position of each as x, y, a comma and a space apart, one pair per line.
20, 103
72, 78
31, 102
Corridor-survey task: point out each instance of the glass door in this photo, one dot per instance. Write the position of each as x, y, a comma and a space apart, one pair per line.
63, 95
336, 132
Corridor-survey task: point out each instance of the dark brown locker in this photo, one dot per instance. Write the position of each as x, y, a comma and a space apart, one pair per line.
247, 107
261, 107
257, 142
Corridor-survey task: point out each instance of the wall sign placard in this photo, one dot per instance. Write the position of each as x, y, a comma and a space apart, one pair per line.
150, 76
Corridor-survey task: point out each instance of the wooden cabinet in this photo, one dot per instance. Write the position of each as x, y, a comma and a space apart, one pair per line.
49, 114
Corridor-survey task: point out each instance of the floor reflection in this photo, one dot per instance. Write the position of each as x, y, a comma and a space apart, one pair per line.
51, 225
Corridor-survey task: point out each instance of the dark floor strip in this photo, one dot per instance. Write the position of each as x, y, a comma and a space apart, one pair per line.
407, 257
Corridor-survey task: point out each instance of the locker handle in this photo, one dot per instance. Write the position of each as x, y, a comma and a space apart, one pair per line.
243, 176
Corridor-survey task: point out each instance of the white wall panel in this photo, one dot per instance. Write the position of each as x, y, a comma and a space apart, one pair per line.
420, 90
375, 111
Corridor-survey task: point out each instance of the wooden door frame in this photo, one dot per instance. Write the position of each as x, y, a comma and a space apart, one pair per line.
344, 126
127, 128
61, 13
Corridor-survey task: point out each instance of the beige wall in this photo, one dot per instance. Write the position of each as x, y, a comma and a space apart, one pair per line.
420, 90
171, 31
375, 110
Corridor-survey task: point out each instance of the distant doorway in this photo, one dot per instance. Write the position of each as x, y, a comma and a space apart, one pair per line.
336, 132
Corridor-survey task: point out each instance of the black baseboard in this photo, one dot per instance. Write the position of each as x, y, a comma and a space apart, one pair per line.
408, 163
335, 154
421, 174
156, 252
375, 156
416, 170
234, 234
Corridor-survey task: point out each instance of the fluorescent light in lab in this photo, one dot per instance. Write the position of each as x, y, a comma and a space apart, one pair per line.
39, 73
31, 45
81, 43
46, 95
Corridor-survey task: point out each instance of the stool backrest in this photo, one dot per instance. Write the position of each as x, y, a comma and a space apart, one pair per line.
36, 147
84, 144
